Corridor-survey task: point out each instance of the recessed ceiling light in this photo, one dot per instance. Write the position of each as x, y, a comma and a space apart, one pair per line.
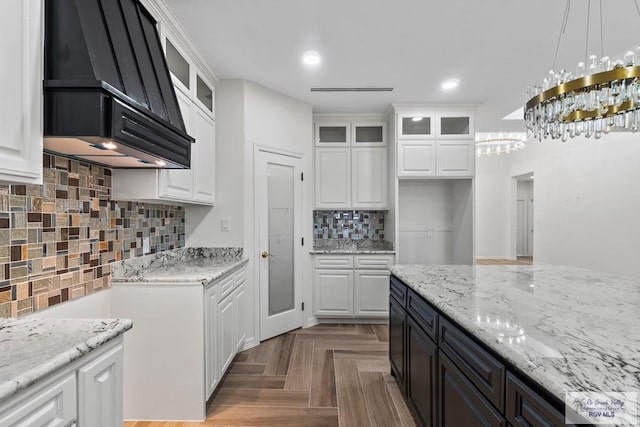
416, 119
311, 58
109, 145
450, 84
161, 163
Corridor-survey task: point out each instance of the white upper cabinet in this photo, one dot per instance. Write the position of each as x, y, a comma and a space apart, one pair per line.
333, 134
455, 158
455, 125
435, 143
368, 134
369, 178
332, 178
416, 158
417, 125
196, 96
21, 74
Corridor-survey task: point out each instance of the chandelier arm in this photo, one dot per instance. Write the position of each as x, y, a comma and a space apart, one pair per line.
562, 30
601, 33
637, 8
586, 44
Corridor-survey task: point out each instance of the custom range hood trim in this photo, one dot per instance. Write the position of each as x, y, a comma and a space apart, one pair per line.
106, 79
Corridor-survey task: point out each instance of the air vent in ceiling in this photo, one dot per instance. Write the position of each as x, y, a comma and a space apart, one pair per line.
351, 89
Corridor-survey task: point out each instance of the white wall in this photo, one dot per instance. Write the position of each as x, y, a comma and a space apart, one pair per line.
247, 115
587, 201
203, 224
277, 121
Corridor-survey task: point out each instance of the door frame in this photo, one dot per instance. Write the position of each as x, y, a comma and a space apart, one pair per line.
299, 233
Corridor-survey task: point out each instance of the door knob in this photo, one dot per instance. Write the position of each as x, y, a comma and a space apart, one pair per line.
265, 254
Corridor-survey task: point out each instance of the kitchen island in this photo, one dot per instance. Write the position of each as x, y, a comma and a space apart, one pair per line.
547, 329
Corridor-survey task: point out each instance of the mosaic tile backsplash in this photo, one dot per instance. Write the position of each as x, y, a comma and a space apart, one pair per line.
57, 240
352, 225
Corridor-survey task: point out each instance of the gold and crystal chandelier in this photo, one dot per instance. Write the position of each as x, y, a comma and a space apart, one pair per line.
602, 94
499, 143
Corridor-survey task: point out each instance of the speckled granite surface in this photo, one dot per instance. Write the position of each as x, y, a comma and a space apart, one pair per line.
568, 329
31, 349
185, 265
339, 246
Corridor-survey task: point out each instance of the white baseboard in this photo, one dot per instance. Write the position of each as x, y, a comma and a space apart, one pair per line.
351, 320
311, 321
496, 257
249, 342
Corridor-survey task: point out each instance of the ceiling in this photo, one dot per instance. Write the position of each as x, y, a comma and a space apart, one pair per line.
495, 47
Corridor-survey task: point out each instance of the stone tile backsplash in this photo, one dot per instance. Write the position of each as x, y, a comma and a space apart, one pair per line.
58, 239
348, 225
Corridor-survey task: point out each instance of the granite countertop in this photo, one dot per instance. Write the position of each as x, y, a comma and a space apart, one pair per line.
34, 348
340, 246
185, 265
568, 329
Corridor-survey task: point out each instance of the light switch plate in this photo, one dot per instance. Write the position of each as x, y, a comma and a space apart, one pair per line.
225, 224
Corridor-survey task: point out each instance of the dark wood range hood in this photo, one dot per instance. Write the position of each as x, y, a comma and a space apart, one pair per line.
108, 95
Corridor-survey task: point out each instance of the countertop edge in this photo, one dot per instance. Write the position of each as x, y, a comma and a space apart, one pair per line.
204, 281
63, 359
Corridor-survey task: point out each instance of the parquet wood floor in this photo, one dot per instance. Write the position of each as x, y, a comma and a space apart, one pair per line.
327, 375
522, 260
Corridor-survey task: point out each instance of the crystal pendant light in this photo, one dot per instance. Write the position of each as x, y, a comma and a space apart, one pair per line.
499, 143
601, 95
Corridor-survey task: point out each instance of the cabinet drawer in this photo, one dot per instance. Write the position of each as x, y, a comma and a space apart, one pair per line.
227, 284
52, 405
486, 373
239, 277
373, 261
527, 408
423, 314
398, 290
333, 261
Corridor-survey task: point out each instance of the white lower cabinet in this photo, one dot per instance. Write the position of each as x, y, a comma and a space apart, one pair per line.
361, 291
184, 339
100, 403
333, 292
371, 293
87, 393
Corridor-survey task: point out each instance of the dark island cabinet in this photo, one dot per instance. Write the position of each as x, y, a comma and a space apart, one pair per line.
450, 379
421, 372
397, 331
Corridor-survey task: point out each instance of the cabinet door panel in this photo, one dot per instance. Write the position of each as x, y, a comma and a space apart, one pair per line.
203, 158
178, 184
333, 292
240, 297
526, 408
226, 341
455, 125
332, 178
369, 177
416, 159
371, 293
21, 75
53, 406
460, 404
416, 126
421, 373
455, 158
367, 134
211, 340
397, 326
101, 396
333, 134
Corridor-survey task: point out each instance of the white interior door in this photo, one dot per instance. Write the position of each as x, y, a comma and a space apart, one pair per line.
530, 228
279, 195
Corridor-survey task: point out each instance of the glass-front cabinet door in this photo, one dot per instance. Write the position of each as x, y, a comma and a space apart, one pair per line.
416, 126
368, 134
204, 93
335, 134
455, 125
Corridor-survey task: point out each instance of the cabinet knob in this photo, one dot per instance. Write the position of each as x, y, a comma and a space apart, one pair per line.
265, 254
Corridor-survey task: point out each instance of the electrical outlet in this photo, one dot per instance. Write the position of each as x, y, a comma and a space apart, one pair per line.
225, 224
146, 248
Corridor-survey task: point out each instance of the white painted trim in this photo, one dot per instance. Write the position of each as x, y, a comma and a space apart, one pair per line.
351, 321
272, 150
507, 257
